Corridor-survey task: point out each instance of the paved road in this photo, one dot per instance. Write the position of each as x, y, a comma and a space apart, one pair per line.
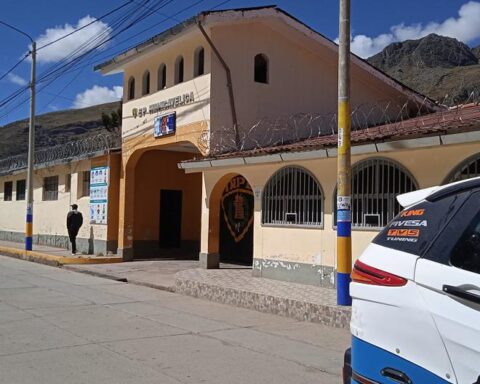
58, 326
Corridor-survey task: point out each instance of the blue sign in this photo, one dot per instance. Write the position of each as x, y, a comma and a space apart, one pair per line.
164, 125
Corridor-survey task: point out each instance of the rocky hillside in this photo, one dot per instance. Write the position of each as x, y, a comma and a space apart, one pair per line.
440, 67
54, 128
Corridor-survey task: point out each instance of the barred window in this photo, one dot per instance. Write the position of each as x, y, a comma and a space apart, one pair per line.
21, 189
162, 76
376, 183
50, 188
131, 88
146, 83
292, 196
7, 190
86, 183
466, 170
199, 62
179, 70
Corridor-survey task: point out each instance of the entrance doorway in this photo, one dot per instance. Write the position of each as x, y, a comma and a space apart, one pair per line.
236, 222
170, 218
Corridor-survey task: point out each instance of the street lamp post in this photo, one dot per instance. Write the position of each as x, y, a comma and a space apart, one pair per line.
344, 168
31, 143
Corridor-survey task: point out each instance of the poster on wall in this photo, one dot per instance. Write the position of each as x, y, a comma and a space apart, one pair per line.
98, 195
164, 125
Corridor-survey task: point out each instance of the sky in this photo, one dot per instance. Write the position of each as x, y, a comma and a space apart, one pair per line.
74, 84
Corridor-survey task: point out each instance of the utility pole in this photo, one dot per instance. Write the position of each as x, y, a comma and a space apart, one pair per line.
31, 142
344, 166
31, 155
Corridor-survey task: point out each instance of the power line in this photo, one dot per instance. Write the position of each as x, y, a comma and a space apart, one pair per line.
15, 66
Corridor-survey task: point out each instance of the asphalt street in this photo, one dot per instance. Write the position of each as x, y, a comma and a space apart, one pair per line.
59, 326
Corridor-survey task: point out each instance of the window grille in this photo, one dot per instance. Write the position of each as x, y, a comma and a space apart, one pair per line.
376, 183
50, 188
179, 70
466, 170
68, 182
199, 67
7, 191
146, 83
292, 196
131, 88
162, 76
261, 69
86, 183
21, 189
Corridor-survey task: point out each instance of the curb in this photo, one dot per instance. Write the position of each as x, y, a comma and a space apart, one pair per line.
299, 310
52, 260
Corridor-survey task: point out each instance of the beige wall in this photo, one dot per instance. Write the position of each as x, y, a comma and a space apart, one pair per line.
429, 166
49, 217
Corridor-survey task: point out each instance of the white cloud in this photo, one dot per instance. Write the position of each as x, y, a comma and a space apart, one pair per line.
466, 28
15, 79
75, 44
97, 95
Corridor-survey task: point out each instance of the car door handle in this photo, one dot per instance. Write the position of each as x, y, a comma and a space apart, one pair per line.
395, 375
461, 293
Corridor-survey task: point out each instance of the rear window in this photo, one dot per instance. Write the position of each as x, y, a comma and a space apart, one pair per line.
414, 229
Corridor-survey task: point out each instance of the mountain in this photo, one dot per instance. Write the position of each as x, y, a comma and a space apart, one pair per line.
440, 67
54, 128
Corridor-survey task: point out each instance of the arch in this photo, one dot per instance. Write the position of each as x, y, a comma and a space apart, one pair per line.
179, 70
146, 83
131, 88
467, 169
376, 183
261, 72
199, 62
162, 77
293, 196
230, 224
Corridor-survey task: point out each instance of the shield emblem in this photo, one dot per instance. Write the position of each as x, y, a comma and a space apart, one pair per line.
237, 204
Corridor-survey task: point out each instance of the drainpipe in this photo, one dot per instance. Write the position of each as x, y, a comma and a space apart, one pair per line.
229, 83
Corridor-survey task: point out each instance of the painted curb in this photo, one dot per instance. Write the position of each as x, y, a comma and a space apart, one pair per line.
45, 258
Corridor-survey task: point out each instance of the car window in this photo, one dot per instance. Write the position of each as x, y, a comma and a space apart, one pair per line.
414, 229
466, 254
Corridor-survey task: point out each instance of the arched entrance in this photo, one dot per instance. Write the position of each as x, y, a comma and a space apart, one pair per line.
231, 220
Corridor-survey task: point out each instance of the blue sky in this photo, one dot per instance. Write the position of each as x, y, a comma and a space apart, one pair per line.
375, 23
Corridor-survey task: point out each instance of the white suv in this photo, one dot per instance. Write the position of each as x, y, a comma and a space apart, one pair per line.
416, 293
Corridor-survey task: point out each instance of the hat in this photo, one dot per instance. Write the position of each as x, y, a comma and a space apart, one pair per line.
74, 206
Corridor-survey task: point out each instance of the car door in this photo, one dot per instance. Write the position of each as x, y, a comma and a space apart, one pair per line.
448, 278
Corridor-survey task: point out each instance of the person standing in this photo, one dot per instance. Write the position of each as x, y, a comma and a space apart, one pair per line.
74, 222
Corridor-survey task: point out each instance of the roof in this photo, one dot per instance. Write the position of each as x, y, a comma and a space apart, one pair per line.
455, 120
115, 64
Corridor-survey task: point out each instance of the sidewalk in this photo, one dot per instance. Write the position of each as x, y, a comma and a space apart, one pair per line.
51, 255
231, 285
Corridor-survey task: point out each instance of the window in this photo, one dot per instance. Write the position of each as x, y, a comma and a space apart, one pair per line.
292, 196
466, 170
50, 188
179, 70
21, 189
261, 68
68, 182
7, 191
146, 83
85, 183
131, 88
466, 254
376, 183
199, 62
162, 76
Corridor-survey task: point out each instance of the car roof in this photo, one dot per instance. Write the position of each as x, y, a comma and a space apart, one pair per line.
437, 192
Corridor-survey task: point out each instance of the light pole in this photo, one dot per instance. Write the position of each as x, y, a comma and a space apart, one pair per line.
31, 144
344, 168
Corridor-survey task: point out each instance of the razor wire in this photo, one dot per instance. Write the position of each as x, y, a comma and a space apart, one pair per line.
63, 153
270, 132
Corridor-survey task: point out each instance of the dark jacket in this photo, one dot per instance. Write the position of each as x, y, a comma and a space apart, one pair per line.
74, 221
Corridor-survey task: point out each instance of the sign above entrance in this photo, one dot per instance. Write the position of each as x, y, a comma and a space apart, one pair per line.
172, 102
164, 125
